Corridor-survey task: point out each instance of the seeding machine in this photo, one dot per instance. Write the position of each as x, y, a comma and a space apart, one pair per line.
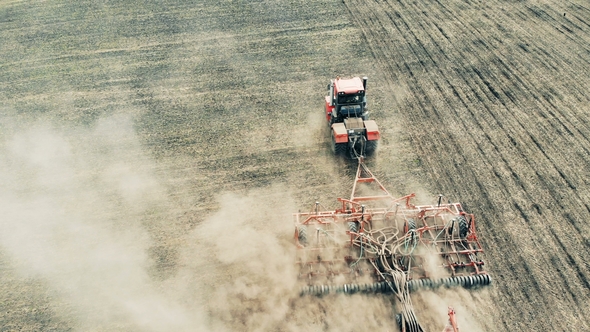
376, 243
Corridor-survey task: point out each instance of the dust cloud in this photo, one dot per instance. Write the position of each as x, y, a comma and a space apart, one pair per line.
78, 208
241, 263
312, 130
74, 202
436, 303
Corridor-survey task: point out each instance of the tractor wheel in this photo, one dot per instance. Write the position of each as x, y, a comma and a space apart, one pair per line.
370, 148
463, 227
339, 149
451, 227
302, 235
353, 227
410, 225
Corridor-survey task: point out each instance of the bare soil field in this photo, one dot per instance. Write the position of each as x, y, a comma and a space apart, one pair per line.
152, 154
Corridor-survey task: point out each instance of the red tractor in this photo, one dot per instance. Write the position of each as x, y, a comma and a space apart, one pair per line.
353, 134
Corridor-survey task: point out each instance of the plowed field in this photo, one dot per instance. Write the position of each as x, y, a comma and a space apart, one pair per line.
152, 153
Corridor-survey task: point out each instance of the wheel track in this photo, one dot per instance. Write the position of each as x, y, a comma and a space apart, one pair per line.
413, 76
433, 61
534, 88
543, 16
560, 173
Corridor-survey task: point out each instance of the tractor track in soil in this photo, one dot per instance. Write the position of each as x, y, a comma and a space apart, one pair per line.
503, 137
485, 102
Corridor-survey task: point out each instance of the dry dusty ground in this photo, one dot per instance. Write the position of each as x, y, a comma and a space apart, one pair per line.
152, 152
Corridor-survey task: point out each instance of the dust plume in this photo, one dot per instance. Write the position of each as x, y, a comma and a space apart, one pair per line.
74, 204
79, 205
240, 262
77, 208
312, 129
431, 307
241, 265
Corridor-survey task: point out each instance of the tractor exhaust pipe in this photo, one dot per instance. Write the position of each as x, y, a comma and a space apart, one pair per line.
365, 78
332, 93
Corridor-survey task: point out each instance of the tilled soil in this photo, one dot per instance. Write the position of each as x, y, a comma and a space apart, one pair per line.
152, 153
496, 108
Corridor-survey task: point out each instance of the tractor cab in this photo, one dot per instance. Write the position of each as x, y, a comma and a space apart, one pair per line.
353, 134
347, 99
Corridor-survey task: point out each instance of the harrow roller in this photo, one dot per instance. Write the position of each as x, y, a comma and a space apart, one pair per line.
413, 285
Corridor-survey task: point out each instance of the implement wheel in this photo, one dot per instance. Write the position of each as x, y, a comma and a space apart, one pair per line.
398, 319
463, 227
302, 235
353, 227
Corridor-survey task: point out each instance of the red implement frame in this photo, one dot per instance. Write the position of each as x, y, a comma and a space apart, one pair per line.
336, 242
452, 325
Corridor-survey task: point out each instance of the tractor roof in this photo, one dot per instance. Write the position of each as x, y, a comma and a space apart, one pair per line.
348, 85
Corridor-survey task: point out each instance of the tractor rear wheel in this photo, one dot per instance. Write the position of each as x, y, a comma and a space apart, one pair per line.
370, 148
339, 149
